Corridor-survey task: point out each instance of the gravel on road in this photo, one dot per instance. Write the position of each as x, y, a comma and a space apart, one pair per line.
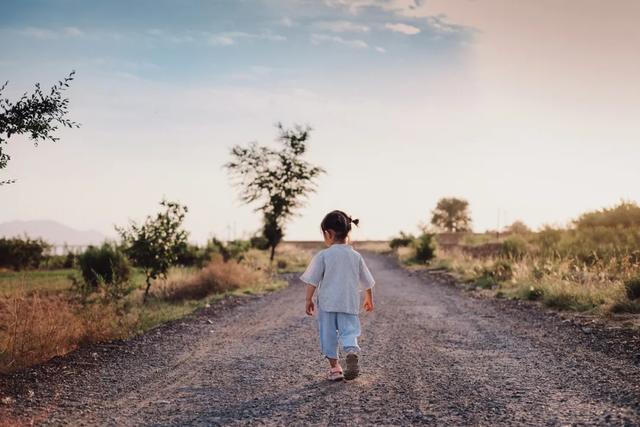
430, 355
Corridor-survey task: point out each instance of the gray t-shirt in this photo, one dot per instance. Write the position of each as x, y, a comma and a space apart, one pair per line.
338, 272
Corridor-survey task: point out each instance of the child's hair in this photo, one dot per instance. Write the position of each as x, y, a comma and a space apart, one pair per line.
339, 222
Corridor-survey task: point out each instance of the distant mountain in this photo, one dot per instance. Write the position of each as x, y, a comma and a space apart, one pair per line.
51, 231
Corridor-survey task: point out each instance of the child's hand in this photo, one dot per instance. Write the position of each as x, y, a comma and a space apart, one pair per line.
310, 307
368, 301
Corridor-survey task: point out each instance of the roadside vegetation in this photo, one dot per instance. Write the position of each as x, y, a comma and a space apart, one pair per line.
593, 265
51, 304
45, 313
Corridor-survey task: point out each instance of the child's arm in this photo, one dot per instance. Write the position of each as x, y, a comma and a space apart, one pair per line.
368, 300
309, 306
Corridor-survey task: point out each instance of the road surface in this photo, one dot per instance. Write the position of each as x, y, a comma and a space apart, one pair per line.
431, 355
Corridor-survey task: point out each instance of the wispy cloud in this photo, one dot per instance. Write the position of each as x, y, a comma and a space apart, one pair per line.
73, 32
354, 6
231, 38
286, 22
317, 39
342, 26
402, 28
38, 33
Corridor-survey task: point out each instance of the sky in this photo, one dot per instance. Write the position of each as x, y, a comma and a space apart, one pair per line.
527, 109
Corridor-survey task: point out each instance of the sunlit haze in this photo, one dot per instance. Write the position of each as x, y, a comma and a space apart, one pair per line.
527, 109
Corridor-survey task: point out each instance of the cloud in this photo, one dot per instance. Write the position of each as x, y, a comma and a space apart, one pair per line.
402, 28
396, 6
231, 38
221, 40
286, 22
342, 26
380, 49
317, 39
72, 32
39, 33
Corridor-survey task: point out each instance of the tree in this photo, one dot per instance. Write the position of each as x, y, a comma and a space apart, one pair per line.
156, 244
37, 115
518, 227
278, 180
452, 214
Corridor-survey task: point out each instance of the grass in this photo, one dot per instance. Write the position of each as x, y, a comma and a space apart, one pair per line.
52, 281
560, 284
40, 318
47, 280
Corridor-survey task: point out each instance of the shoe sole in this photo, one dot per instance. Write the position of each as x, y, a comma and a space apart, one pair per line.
352, 370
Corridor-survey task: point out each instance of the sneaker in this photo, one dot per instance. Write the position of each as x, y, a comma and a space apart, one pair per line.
335, 374
352, 370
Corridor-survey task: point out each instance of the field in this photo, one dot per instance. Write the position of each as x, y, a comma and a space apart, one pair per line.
42, 317
593, 271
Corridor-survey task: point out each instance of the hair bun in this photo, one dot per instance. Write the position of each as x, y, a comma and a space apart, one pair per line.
356, 221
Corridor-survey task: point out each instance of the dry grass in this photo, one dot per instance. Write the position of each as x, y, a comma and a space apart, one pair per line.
562, 283
39, 323
380, 247
35, 328
217, 277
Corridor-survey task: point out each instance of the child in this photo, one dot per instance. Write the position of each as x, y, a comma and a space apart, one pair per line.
337, 273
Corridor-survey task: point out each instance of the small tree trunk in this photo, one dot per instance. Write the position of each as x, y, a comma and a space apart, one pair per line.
146, 291
273, 253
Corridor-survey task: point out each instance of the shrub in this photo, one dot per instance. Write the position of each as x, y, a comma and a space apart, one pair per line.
533, 294
625, 214
500, 271
58, 262
189, 256
21, 254
401, 241
485, 282
103, 264
632, 288
259, 242
237, 248
514, 247
217, 277
425, 247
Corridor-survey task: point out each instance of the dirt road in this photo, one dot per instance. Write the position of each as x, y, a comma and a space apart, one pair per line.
431, 355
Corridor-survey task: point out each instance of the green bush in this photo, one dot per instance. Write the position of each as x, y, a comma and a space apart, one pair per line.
259, 242
403, 240
625, 215
514, 247
237, 248
425, 247
104, 264
533, 294
632, 288
500, 271
189, 255
21, 254
484, 282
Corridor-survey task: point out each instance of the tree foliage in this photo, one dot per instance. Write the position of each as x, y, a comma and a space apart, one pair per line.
277, 180
452, 214
156, 244
37, 114
518, 227
22, 253
625, 214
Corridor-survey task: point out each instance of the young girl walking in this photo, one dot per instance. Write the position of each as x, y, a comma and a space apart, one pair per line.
337, 273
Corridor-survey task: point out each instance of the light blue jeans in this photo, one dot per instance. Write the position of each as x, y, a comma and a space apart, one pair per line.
338, 327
